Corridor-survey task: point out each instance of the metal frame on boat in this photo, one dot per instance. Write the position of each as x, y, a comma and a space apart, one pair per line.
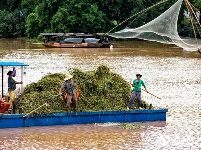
13, 64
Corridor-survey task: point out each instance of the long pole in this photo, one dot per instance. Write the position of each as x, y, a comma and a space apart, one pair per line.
144, 10
45, 104
141, 89
21, 79
148, 92
2, 81
193, 12
191, 18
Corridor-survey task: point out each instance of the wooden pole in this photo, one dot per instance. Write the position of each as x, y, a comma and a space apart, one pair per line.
193, 12
45, 104
22, 79
191, 18
144, 10
148, 92
2, 82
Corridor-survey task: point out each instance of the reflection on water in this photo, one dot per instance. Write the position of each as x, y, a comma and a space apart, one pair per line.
169, 72
100, 136
71, 137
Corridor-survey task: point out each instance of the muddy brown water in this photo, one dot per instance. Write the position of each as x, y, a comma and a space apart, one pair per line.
169, 72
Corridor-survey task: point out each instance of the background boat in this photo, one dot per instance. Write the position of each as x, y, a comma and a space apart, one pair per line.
75, 40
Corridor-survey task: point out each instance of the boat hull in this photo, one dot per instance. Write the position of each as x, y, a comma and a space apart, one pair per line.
17, 120
78, 45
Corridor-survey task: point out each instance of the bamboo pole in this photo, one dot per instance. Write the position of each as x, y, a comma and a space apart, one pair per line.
45, 104
190, 5
148, 92
191, 18
144, 10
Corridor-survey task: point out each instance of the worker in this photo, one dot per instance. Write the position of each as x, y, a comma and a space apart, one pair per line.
11, 87
136, 91
69, 88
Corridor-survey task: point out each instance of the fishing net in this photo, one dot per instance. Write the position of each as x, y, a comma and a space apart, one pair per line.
162, 29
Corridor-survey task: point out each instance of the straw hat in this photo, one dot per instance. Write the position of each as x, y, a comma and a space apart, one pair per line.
68, 76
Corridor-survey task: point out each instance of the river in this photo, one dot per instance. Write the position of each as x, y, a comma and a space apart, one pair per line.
168, 71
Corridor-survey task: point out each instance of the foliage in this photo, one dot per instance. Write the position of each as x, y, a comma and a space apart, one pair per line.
11, 24
131, 126
12, 19
32, 26
98, 90
85, 16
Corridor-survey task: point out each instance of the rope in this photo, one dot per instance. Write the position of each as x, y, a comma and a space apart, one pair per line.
144, 10
135, 18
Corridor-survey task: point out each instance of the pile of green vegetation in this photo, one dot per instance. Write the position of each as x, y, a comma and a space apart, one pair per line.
131, 126
99, 90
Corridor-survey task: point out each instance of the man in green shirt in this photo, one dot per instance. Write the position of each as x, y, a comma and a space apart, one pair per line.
136, 92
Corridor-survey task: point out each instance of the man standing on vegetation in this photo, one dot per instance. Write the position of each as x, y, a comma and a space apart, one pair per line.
69, 88
136, 92
11, 87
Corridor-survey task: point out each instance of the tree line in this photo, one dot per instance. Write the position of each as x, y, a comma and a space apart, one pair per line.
20, 18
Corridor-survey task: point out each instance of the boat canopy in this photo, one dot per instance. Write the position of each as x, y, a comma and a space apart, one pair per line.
73, 40
70, 34
14, 64
10, 63
92, 40
81, 40
52, 34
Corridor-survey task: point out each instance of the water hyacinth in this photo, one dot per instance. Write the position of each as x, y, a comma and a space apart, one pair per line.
99, 90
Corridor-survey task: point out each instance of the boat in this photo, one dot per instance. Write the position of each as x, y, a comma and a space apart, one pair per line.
67, 118
18, 120
74, 40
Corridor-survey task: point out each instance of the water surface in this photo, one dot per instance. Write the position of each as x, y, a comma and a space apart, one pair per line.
168, 71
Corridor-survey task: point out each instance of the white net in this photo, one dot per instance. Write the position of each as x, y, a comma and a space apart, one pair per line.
162, 29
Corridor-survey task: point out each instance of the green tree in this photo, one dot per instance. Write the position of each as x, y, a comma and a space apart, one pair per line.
80, 15
197, 4
29, 6
32, 25
71, 16
11, 24
60, 21
12, 21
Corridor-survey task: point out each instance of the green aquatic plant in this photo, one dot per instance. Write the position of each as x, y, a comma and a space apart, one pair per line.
99, 90
131, 126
